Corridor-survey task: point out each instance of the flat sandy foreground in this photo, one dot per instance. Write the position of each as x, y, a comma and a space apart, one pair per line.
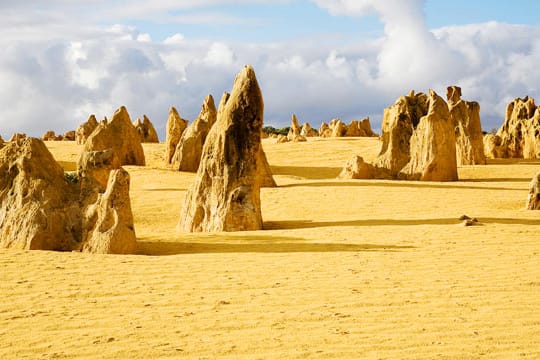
343, 269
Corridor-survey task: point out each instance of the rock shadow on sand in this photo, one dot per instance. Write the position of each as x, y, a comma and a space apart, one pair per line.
255, 244
307, 172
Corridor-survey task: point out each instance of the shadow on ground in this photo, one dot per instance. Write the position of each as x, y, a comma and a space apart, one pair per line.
311, 172
401, 184
254, 244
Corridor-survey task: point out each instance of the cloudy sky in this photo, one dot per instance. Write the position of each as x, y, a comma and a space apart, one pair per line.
65, 59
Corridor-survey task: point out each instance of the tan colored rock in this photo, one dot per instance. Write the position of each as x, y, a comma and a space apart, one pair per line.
175, 128
338, 128
533, 199
325, 131
226, 192
49, 136
120, 136
2, 142
433, 145
145, 129
360, 128
264, 171
17, 137
85, 129
356, 168
69, 135
94, 167
187, 155
492, 146
468, 129
36, 207
108, 223
519, 131
294, 131
273, 136
399, 121
308, 131
282, 139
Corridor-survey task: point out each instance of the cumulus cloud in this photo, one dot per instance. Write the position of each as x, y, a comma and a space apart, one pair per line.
57, 71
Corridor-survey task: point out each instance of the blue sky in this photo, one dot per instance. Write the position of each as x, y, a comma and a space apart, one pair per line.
320, 59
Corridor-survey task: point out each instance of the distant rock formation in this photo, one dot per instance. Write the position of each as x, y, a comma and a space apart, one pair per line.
468, 129
325, 131
520, 133
175, 128
338, 128
356, 168
294, 131
17, 137
85, 129
282, 139
308, 131
226, 193
433, 145
69, 135
44, 209
49, 136
492, 146
533, 199
120, 136
360, 128
188, 152
418, 142
145, 129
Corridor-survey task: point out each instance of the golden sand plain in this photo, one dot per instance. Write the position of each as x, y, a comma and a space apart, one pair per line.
349, 269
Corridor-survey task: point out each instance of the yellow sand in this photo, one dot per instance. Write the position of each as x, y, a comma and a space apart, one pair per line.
344, 269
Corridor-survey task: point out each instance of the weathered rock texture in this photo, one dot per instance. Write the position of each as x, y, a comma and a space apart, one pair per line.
49, 136
308, 131
294, 131
492, 146
360, 128
2, 143
85, 129
282, 139
433, 145
187, 155
418, 142
43, 209
338, 128
226, 192
120, 136
356, 168
468, 129
533, 199
520, 133
325, 131
17, 137
69, 135
175, 128
145, 129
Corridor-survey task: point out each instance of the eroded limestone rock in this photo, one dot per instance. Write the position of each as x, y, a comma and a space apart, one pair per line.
175, 128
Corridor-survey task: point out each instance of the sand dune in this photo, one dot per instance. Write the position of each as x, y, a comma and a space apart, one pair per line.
344, 269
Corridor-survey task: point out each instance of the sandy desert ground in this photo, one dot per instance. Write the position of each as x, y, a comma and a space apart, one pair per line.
343, 269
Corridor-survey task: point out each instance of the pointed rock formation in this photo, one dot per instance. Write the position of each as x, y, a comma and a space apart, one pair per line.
120, 136
325, 131
398, 123
49, 136
294, 131
226, 192
36, 210
308, 131
520, 133
41, 208
360, 128
533, 199
145, 129
468, 129
433, 145
338, 128
108, 223
175, 128
85, 129
187, 155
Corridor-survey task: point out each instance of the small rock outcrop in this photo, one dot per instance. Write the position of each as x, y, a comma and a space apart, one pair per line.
49, 136
294, 131
226, 193
69, 135
468, 129
175, 128
356, 168
41, 208
187, 155
337, 127
325, 131
493, 148
360, 128
520, 133
145, 129
120, 136
533, 199
418, 142
85, 129
282, 139
17, 137
308, 131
